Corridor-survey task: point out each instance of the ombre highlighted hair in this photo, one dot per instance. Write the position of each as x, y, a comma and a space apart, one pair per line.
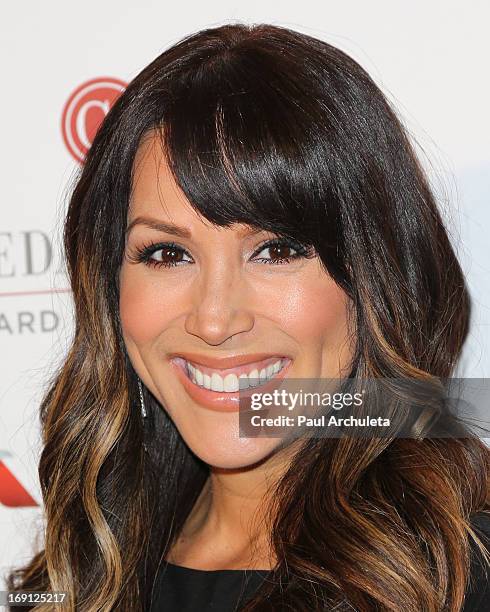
274, 128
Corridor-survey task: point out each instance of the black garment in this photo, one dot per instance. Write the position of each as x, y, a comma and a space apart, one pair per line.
182, 589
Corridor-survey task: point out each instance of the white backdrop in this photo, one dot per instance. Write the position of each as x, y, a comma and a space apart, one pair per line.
430, 58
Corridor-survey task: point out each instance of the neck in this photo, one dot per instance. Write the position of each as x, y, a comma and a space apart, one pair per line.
227, 525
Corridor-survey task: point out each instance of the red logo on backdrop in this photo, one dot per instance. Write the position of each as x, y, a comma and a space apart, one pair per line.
12, 493
85, 110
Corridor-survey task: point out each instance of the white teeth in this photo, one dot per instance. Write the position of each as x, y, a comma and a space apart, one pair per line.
216, 382
231, 382
254, 374
243, 381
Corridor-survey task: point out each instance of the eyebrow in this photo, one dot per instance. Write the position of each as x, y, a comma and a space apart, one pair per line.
159, 226
175, 230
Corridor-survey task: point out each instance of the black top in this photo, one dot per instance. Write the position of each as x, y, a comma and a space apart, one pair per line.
183, 589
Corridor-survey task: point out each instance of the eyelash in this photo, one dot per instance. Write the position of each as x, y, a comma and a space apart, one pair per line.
143, 254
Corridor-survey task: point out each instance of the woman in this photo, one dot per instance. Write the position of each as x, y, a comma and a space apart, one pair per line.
251, 202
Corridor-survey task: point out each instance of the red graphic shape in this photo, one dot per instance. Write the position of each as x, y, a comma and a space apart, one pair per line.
12, 493
85, 110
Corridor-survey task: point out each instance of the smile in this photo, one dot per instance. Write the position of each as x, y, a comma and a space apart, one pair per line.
218, 383
234, 379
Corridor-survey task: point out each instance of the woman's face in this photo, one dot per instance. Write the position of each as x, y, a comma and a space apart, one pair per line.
222, 294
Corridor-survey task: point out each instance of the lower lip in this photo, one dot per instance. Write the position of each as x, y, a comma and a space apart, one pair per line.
221, 401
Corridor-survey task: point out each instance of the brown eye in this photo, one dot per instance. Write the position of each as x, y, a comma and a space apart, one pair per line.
168, 256
282, 250
162, 255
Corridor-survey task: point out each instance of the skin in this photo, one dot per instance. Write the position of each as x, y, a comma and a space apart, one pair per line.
220, 299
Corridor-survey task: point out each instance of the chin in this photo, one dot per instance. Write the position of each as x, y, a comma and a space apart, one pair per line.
233, 452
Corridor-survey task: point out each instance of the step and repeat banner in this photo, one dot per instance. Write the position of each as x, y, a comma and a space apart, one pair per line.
65, 63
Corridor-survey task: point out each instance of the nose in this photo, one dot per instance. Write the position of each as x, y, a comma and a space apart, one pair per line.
220, 306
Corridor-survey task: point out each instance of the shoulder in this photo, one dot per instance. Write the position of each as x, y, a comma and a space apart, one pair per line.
478, 592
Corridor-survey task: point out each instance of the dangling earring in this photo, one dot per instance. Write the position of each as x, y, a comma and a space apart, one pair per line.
142, 401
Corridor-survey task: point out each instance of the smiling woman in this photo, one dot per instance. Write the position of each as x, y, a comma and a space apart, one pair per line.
251, 212
224, 291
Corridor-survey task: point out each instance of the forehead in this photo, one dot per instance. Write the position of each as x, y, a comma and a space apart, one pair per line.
154, 190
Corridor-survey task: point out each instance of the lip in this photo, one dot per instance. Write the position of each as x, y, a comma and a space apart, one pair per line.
222, 363
221, 401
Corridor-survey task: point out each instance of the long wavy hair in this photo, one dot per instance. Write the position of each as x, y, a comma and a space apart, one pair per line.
274, 128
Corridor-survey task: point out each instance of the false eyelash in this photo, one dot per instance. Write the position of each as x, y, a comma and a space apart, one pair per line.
143, 254
302, 250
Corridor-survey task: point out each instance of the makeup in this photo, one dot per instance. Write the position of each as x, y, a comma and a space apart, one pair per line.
229, 401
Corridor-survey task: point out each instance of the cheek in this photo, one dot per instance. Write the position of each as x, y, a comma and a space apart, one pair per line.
312, 311
328, 312
145, 307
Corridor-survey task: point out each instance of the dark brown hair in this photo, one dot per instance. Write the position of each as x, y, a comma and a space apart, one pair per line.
270, 127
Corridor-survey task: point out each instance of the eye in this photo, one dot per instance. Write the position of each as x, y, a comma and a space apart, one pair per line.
170, 254
162, 255
283, 250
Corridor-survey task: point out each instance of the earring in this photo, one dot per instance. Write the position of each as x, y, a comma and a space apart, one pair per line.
142, 401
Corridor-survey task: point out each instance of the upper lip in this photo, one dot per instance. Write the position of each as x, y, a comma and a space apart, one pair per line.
222, 363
